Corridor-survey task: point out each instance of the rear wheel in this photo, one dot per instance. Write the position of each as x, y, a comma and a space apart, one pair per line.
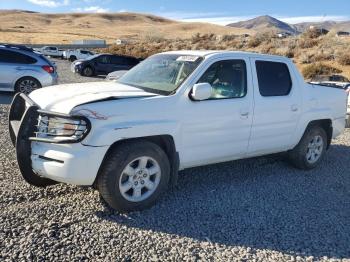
133, 176
310, 150
72, 58
27, 85
87, 71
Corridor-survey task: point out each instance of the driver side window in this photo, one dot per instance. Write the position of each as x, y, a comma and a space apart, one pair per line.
228, 79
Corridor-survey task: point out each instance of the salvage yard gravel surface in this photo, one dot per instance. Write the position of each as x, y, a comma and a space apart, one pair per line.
256, 209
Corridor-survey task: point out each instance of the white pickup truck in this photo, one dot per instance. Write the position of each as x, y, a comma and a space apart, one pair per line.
51, 51
77, 54
173, 111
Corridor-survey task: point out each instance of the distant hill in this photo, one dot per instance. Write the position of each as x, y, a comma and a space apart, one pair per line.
264, 23
306, 25
17, 26
268, 23
329, 25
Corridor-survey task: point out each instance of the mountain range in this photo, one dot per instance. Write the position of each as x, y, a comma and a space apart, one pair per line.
266, 22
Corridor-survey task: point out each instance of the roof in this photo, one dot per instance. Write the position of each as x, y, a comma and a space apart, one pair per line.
206, 53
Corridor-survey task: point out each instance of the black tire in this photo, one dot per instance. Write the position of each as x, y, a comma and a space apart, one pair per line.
72, 58
88, 71
111, 171
20, 82
347, 123
298, 156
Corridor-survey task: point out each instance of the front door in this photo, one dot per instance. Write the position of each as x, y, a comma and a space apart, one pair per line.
218, 129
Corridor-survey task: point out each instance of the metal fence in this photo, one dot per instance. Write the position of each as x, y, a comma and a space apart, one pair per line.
69, 46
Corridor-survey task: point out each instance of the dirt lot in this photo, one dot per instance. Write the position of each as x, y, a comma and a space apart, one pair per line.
258, 209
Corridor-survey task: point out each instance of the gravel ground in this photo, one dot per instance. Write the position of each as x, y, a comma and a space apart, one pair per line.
258, 209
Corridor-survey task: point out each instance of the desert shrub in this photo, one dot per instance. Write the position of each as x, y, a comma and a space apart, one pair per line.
323, 55
226, 38
344, 59
205, 37
307, 43
196, 38
305, 58
311, 33
268, 49
254, 42
313, 70
283, 51
258, 39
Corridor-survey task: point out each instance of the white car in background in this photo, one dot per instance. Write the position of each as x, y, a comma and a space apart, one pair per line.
51, 51
77, 54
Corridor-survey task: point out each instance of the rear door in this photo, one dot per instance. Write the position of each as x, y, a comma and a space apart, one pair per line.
12, 66
277, 106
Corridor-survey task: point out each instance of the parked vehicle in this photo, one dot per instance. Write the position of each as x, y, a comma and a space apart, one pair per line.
103, 64
173, 111
23, 70
73, 55
51, 51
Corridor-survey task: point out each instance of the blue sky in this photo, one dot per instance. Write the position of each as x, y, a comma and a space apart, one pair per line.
219, 11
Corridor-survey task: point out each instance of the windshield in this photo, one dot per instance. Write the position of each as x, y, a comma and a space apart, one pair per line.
162, 73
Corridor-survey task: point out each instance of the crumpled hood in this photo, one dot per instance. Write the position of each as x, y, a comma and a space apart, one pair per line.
63, 98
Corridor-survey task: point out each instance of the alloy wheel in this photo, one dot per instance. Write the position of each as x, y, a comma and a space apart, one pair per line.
140, 179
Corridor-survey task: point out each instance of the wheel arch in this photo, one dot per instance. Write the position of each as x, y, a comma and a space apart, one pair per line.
166, 142
15, 82
326, 124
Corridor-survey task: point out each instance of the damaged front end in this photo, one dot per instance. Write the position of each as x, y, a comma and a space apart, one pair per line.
28, 123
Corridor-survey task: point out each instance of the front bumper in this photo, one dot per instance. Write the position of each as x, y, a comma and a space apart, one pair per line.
75, 68
72, 163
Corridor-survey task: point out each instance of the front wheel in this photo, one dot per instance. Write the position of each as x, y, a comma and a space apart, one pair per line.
133, 176
87, 71
310, 150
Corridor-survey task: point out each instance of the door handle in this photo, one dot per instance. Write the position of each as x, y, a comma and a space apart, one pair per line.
294, 108
244, 114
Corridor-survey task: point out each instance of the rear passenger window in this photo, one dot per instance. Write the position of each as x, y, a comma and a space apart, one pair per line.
118, 60
7, 56
273, 78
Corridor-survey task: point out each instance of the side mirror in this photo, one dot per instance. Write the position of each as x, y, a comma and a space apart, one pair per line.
201, 91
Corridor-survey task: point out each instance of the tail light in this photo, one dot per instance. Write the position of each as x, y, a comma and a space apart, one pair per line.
49, 69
